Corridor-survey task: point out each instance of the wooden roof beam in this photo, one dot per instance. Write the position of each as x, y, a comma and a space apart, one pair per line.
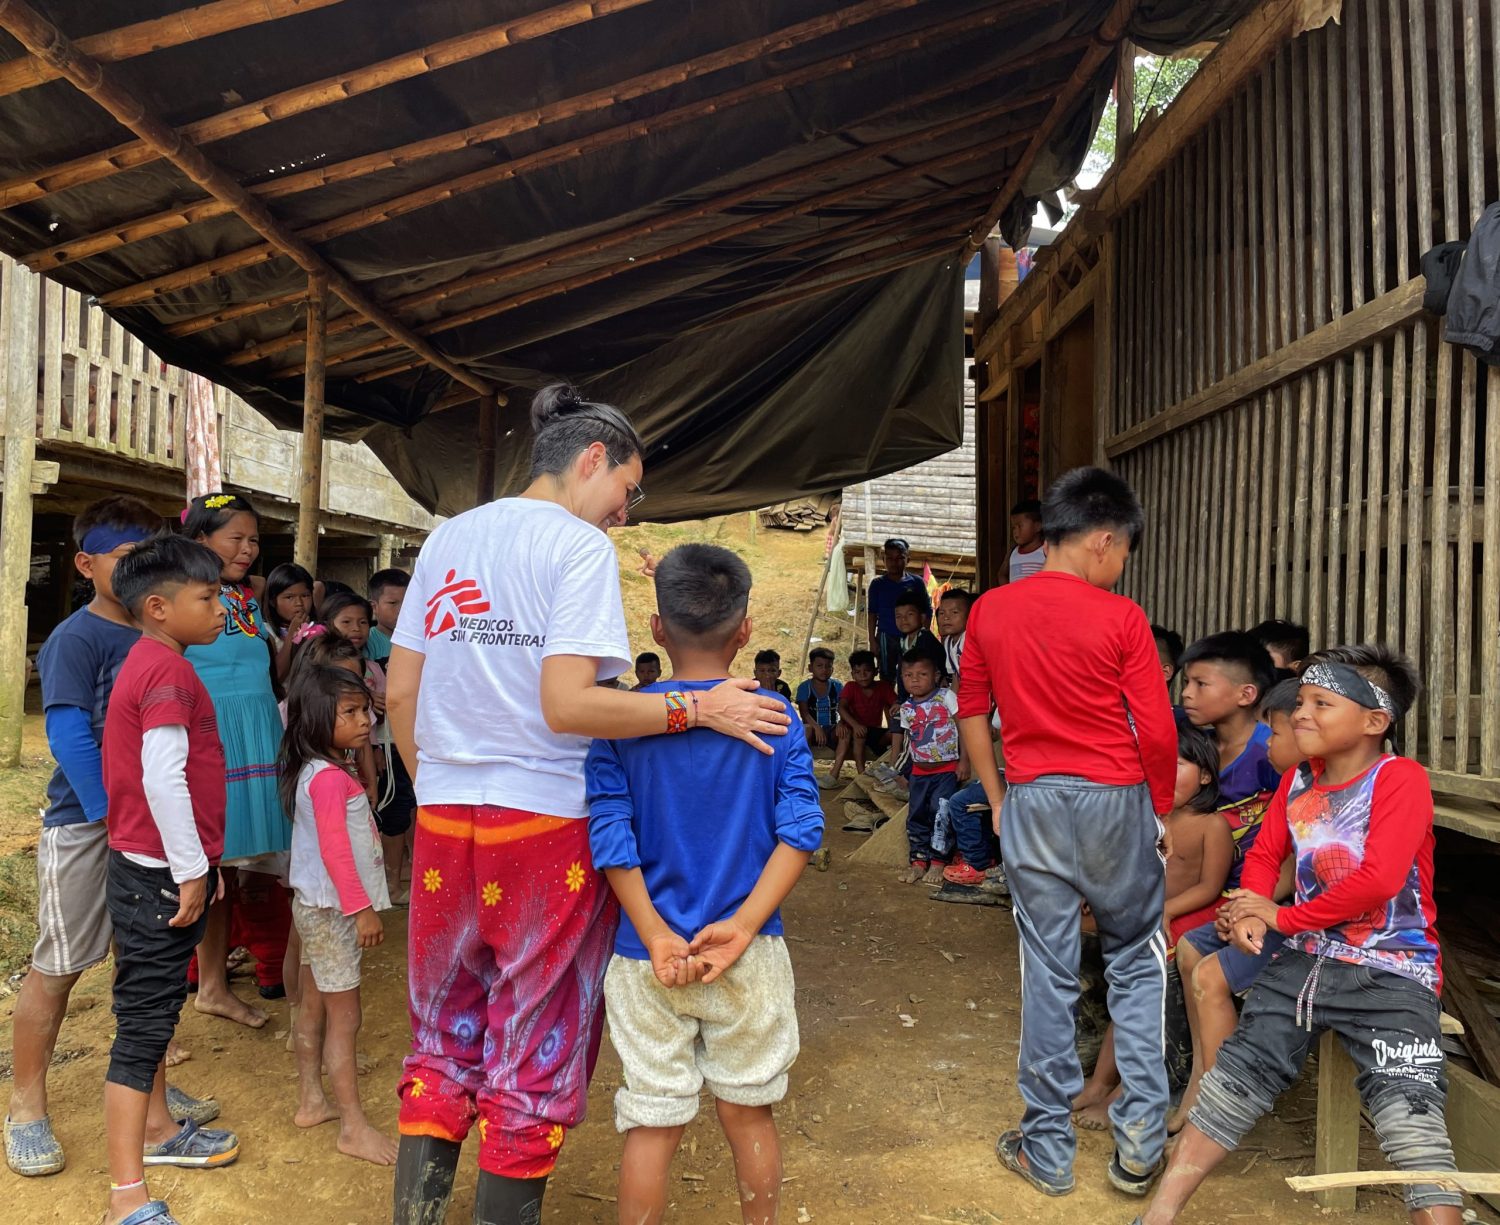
761, 221
1111, 31
408, 202
631, 233
92, 167
140, 228
173, 30
46, 41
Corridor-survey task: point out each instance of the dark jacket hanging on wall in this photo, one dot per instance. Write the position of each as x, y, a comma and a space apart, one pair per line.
1474, 301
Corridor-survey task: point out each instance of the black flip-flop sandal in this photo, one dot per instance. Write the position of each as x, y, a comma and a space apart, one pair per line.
965, 895
1008, 1150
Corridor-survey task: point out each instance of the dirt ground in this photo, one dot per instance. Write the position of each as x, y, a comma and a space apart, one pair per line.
887, 1123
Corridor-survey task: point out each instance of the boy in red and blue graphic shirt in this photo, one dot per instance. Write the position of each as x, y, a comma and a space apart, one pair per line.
928, 718
1362, 955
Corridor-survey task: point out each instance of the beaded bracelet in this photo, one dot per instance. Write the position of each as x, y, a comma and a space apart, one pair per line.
677, 720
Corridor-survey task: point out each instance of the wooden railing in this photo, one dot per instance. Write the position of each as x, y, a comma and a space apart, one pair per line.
101, 388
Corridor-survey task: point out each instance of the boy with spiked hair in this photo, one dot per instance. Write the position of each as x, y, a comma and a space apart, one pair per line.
1362, 956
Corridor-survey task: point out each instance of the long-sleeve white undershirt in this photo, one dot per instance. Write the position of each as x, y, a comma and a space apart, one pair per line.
164, 753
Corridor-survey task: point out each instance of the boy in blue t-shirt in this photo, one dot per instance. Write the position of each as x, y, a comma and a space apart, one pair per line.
818, 704
1225, 678
78, 665
700, 987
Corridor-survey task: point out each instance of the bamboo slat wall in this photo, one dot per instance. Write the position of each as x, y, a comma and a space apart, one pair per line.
931, 504
1305, 442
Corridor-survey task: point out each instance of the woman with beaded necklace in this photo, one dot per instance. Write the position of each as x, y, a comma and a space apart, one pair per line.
236, 669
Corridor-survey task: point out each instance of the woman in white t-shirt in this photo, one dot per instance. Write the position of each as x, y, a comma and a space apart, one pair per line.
512, 618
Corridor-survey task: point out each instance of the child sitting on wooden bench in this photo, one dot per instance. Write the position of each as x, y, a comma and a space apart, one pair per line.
1361, 957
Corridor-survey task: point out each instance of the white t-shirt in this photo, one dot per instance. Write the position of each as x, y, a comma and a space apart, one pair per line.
494, 591
1024, 565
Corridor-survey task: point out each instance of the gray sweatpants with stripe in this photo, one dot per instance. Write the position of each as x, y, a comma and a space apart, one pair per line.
1066, 841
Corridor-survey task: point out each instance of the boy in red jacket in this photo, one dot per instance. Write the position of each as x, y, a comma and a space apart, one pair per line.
1088, 778
1361, 956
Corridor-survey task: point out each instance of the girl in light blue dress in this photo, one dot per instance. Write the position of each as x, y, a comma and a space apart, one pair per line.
236, 670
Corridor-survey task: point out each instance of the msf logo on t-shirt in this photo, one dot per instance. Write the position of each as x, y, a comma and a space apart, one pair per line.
456, 598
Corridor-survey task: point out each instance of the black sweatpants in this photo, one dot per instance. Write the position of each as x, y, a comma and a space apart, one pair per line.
151, 965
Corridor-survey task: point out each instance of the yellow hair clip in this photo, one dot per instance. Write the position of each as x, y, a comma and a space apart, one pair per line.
219, 501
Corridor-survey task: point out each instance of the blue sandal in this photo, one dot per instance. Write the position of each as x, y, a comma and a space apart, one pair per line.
31, 1150
1008, 1150
183, 1106
153, 1213
195, 1148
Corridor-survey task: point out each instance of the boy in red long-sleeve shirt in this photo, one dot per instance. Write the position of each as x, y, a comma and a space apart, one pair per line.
1091, 761
1361, 956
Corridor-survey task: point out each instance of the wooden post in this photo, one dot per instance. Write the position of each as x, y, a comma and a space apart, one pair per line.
986, 515
310, 490
484, 472
18, 331
1336, 1144
1125, 99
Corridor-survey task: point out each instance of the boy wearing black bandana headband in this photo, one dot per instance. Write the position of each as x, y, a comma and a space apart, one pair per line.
1362, 955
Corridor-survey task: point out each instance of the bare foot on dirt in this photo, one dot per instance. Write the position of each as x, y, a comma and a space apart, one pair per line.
364, 1142
1093, 1095
312, 1114
1093, 1118
177, 1053
230, 1007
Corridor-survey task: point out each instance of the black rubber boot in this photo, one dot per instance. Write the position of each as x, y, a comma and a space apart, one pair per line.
424, 1180
508, 1201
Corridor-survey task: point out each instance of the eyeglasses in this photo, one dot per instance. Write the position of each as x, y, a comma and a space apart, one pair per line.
637, 496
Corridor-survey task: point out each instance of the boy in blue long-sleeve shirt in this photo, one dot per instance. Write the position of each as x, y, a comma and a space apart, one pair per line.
702, 838
78, 665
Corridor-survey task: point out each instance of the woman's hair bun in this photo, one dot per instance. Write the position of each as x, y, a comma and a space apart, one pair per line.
554, 401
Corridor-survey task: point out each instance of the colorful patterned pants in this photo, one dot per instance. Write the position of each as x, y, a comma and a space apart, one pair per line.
510, 933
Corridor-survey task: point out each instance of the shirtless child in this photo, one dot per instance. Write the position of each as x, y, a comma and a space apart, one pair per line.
1202, 849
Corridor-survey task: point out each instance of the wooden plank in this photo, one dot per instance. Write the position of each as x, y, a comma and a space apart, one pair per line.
1266, 411
1396, 452
1374, 489
1073, 303
1333, 107
1481, 1031
1336, 1140
1106, 375
1473, 1184
52, 357
1346, 333
1243, 514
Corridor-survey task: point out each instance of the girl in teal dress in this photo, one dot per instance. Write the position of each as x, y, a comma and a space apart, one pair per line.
236, 670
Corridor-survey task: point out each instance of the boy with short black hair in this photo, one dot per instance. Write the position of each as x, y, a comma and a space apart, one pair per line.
1287, 642
818, 704
1362, 957
928, 718
647, 669
1028, 556
1225, 677
911, 621
1168, 651
866, 705
78, 665
768, 672
953, 624
885, 589
1088, 774
700, 987
387, 593
164, 772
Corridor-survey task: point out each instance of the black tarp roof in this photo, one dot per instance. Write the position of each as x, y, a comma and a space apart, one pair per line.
742, 403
